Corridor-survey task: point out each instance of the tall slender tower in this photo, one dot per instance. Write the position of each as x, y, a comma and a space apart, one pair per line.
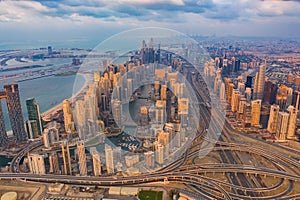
273, 118
96, 161
68, 116
282, 125
292, 122
261, 82
34, 117
15, 112
82, 159
255, 86
255, 112
67, 158
3, 134
109, 157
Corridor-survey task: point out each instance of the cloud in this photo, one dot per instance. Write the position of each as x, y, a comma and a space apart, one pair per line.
190, 15
11, 11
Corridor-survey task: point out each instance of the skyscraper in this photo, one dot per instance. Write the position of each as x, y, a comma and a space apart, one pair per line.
117, 112
261, 82
144, 116
282, 125
34, 118
53, 161
160, 112
66, 158
3, 134
222, 92
109, 159
270, 92
96, 161
255, 112
273, 118
68, 116
292, 122
159, 153
255, 86
235, 100
81, 159
15, 112
249, 82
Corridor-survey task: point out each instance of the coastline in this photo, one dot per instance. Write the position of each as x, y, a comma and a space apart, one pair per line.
47, 114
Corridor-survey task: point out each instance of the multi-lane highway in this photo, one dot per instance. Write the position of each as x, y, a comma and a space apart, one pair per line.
243, 181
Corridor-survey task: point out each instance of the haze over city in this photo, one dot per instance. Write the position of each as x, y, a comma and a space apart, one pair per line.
149, 100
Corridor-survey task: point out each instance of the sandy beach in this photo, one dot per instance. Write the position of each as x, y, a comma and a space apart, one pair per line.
47, 114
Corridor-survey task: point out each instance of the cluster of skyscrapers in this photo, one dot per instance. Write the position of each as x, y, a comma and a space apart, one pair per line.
257, 101
161, 129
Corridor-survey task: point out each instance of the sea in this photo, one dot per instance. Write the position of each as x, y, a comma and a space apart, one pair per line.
47, 91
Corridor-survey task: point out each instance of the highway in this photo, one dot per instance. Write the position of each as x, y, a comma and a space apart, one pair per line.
243, 181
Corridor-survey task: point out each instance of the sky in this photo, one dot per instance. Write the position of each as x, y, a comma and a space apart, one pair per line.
80, 20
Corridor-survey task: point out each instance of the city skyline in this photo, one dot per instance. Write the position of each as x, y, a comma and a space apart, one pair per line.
150, 100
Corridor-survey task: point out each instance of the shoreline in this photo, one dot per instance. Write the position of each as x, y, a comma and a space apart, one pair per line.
48, 113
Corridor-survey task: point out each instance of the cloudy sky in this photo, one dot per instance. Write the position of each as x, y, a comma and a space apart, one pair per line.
98, 19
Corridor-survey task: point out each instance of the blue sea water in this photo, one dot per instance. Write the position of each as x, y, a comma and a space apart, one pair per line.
48, 92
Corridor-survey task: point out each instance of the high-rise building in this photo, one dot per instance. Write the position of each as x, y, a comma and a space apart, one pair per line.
160, 112
65, 150
129, 88
183, 106
34, 127
149, 159
96, 161
296, 99
255, 112
144, 116
261, 81
31, 126
53, 161
163, 92
164, 139
235, 100
270, 92
273, 118
292, 122
247, 115
249, 82
109, 159
36, 164
229, 92
15, 112
222, 92
50, 134
255, 86
248, 94
3, 134
282, 125
68, 116
241, 88
81, 159
117, 112
159, 153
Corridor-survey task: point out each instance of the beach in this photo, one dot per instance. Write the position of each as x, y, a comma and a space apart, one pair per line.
47, 114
